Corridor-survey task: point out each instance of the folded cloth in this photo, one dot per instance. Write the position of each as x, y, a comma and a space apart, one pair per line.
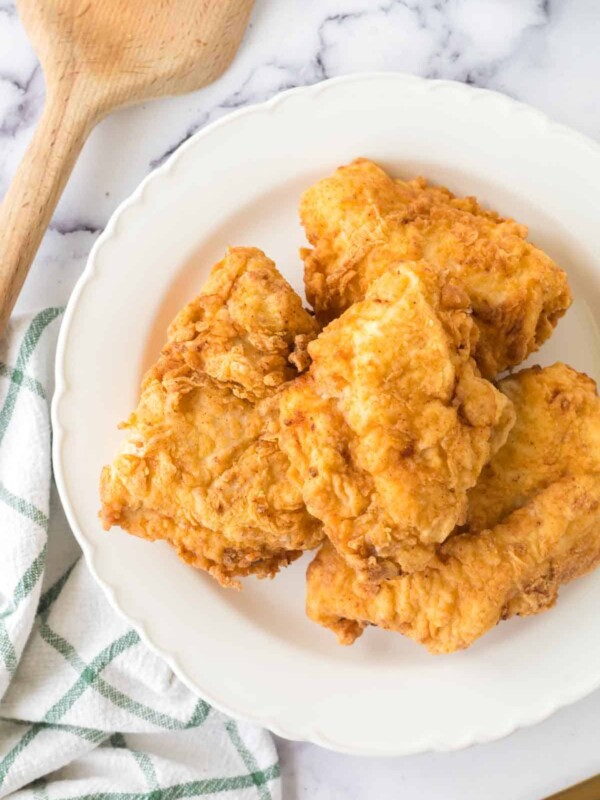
86, 710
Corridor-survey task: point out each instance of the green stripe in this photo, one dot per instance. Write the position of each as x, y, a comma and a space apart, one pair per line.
121, 700
89, 734
23, 588
116, 697
90, 674
144, 762
25, 508
213, 785
12, 755
199, 714
32, 336
247, 757
51, 595
192, 789
30, 578
66, 650
7, 651
18, 376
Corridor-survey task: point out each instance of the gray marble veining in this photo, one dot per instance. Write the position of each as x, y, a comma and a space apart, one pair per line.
540, 51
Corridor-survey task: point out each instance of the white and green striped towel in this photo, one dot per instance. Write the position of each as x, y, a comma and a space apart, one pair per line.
86, 711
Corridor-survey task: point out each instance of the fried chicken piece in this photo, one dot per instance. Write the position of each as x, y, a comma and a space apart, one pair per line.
477, 579
538, 502
392, 424
557, 432
360, 221
201, 466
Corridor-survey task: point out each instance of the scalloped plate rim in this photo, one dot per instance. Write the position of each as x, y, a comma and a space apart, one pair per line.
311, 734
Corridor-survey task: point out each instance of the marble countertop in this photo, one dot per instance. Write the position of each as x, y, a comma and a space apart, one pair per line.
544, 52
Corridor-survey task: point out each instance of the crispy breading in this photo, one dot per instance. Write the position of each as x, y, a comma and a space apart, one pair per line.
557, 432
201, 466
476, 580
360, 221
392, 424
539, 502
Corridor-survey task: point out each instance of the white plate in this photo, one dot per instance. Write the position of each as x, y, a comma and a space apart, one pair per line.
254, 654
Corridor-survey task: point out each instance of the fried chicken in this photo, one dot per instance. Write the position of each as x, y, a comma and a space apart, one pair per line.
535, 519
556, 433
392, 424
360, 221
201, 466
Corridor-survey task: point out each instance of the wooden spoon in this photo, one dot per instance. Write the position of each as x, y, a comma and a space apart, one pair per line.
98, 55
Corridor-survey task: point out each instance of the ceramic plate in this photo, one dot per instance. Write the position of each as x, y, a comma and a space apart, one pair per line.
254, 654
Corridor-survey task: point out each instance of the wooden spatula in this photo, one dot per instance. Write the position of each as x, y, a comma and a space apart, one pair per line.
98, 55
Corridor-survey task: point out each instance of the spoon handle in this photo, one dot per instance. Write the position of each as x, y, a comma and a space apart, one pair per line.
28, 206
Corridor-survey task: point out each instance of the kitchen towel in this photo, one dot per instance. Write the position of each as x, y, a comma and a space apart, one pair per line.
86, 710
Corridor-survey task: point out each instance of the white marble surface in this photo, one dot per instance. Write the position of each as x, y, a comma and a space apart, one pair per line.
541, 51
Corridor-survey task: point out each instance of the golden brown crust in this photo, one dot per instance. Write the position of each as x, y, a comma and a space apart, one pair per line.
535, 519
557, 431
476, 580
392, 424
360, 222
244, 330
201, 466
